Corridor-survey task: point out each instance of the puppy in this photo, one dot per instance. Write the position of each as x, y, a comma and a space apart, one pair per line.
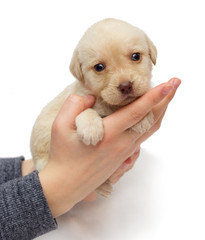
113, 62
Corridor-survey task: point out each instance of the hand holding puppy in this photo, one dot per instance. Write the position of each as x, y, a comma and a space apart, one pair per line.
75, 169
113, 62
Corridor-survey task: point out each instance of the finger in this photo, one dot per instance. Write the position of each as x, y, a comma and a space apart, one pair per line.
153, 129
72, 107
175, 82
134, 157
160, 108
117, 178
125, 166
131, 114
91, 197
159, 113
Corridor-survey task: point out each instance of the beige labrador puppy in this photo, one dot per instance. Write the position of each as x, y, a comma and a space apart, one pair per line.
113, 62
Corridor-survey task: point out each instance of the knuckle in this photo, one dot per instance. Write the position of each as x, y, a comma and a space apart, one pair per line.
107, 139
75, 98
121, 148
157, 126
136, 155
57, 125
136, 116
78, 101
109, 134
154, 100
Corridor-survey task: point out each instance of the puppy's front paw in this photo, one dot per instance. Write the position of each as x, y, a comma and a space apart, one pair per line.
105, 189
89, 127
145, 124
90, 133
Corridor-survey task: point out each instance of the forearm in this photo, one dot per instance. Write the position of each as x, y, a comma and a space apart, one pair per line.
24, 211
10, 168
59, 187
27, 167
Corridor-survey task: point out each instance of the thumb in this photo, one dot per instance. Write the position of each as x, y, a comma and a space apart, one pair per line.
72, 107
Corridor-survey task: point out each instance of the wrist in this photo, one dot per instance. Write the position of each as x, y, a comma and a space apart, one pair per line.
27, 167
56, 189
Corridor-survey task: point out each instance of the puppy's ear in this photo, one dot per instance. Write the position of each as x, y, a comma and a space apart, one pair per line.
152, 50
75, 66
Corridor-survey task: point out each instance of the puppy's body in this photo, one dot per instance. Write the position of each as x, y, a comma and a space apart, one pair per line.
112, 61
41, 133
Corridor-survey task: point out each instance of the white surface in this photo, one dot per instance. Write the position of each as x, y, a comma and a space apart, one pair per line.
163, 196
132, 210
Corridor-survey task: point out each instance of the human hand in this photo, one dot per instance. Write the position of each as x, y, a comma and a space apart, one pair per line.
115, 177
75, 170
128, 164
159, 112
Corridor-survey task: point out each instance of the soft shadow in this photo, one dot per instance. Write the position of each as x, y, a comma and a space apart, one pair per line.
131, 211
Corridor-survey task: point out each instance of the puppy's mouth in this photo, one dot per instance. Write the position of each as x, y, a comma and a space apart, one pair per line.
128, 99
122, 95
128, 93
120, 100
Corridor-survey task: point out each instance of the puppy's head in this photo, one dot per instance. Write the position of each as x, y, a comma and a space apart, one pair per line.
114, 61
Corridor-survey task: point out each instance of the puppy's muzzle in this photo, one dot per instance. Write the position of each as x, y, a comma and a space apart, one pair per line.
125, 88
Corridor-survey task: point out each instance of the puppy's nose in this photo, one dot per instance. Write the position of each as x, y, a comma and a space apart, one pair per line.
125, 87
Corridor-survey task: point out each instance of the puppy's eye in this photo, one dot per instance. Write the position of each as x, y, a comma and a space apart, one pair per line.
136, 56
99, 67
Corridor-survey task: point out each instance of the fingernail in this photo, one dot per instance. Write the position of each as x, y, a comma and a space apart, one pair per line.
167, 89
137, 149
124, 167
90, 98
128, 161
175, 82
126, 164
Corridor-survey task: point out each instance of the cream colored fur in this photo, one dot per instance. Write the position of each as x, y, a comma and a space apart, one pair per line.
109, 42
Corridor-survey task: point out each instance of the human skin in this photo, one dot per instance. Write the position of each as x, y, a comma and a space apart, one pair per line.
75, 170
28, 167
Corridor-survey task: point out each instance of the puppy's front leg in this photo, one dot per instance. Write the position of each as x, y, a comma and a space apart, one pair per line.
145, 124
89, 127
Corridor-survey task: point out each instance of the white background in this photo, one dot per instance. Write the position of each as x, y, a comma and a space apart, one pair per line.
163, 196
